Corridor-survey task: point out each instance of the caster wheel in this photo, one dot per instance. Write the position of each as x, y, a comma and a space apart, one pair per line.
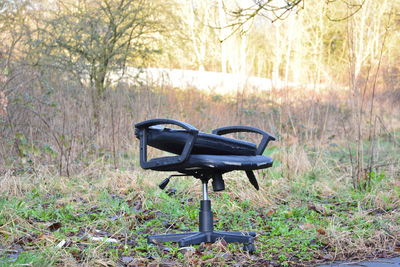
249, 247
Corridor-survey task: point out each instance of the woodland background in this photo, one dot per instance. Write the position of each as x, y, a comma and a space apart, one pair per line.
63, 117
57, 56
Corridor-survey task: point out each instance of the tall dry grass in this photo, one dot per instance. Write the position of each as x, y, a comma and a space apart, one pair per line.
49, 122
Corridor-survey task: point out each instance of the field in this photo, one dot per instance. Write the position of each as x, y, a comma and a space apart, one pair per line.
323, 77
329, 196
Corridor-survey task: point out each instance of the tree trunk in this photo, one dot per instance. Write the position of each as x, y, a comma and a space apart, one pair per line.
98, 88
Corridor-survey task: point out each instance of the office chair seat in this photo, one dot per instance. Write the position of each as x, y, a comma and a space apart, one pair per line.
222, 163
173, 141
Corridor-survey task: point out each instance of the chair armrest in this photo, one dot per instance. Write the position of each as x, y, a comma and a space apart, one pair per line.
148, 123
164, 161
238, 129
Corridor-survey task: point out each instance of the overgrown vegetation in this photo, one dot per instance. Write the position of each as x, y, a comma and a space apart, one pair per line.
70, 197
71, 189
101, 216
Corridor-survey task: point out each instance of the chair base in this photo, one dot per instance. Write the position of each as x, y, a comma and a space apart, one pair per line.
206, 233
195, 238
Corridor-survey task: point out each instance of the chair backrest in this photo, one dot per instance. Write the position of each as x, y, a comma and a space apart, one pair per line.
190, 141
173, 141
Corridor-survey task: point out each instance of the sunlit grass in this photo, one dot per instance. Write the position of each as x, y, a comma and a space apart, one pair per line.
102, 216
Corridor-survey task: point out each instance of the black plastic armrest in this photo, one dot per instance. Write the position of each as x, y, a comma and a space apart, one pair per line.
237, 129
164, 161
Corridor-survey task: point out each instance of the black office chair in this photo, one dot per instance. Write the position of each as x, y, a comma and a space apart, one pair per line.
205, 157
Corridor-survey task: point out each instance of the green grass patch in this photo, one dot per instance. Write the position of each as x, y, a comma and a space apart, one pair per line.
301, 220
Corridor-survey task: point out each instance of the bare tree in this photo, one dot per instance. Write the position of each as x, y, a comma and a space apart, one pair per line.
12, 19
246, 11
93, 38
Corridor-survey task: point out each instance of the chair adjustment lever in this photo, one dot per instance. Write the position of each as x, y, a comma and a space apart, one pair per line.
252, 179
165, 182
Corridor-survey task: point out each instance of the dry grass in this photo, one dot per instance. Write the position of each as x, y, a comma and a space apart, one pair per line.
371, 232
53, 156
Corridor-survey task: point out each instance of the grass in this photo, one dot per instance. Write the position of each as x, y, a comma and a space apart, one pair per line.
102, 216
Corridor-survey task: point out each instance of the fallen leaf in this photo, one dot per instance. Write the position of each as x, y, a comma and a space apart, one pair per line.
76, 255
54, 226
321, 231
270, 212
